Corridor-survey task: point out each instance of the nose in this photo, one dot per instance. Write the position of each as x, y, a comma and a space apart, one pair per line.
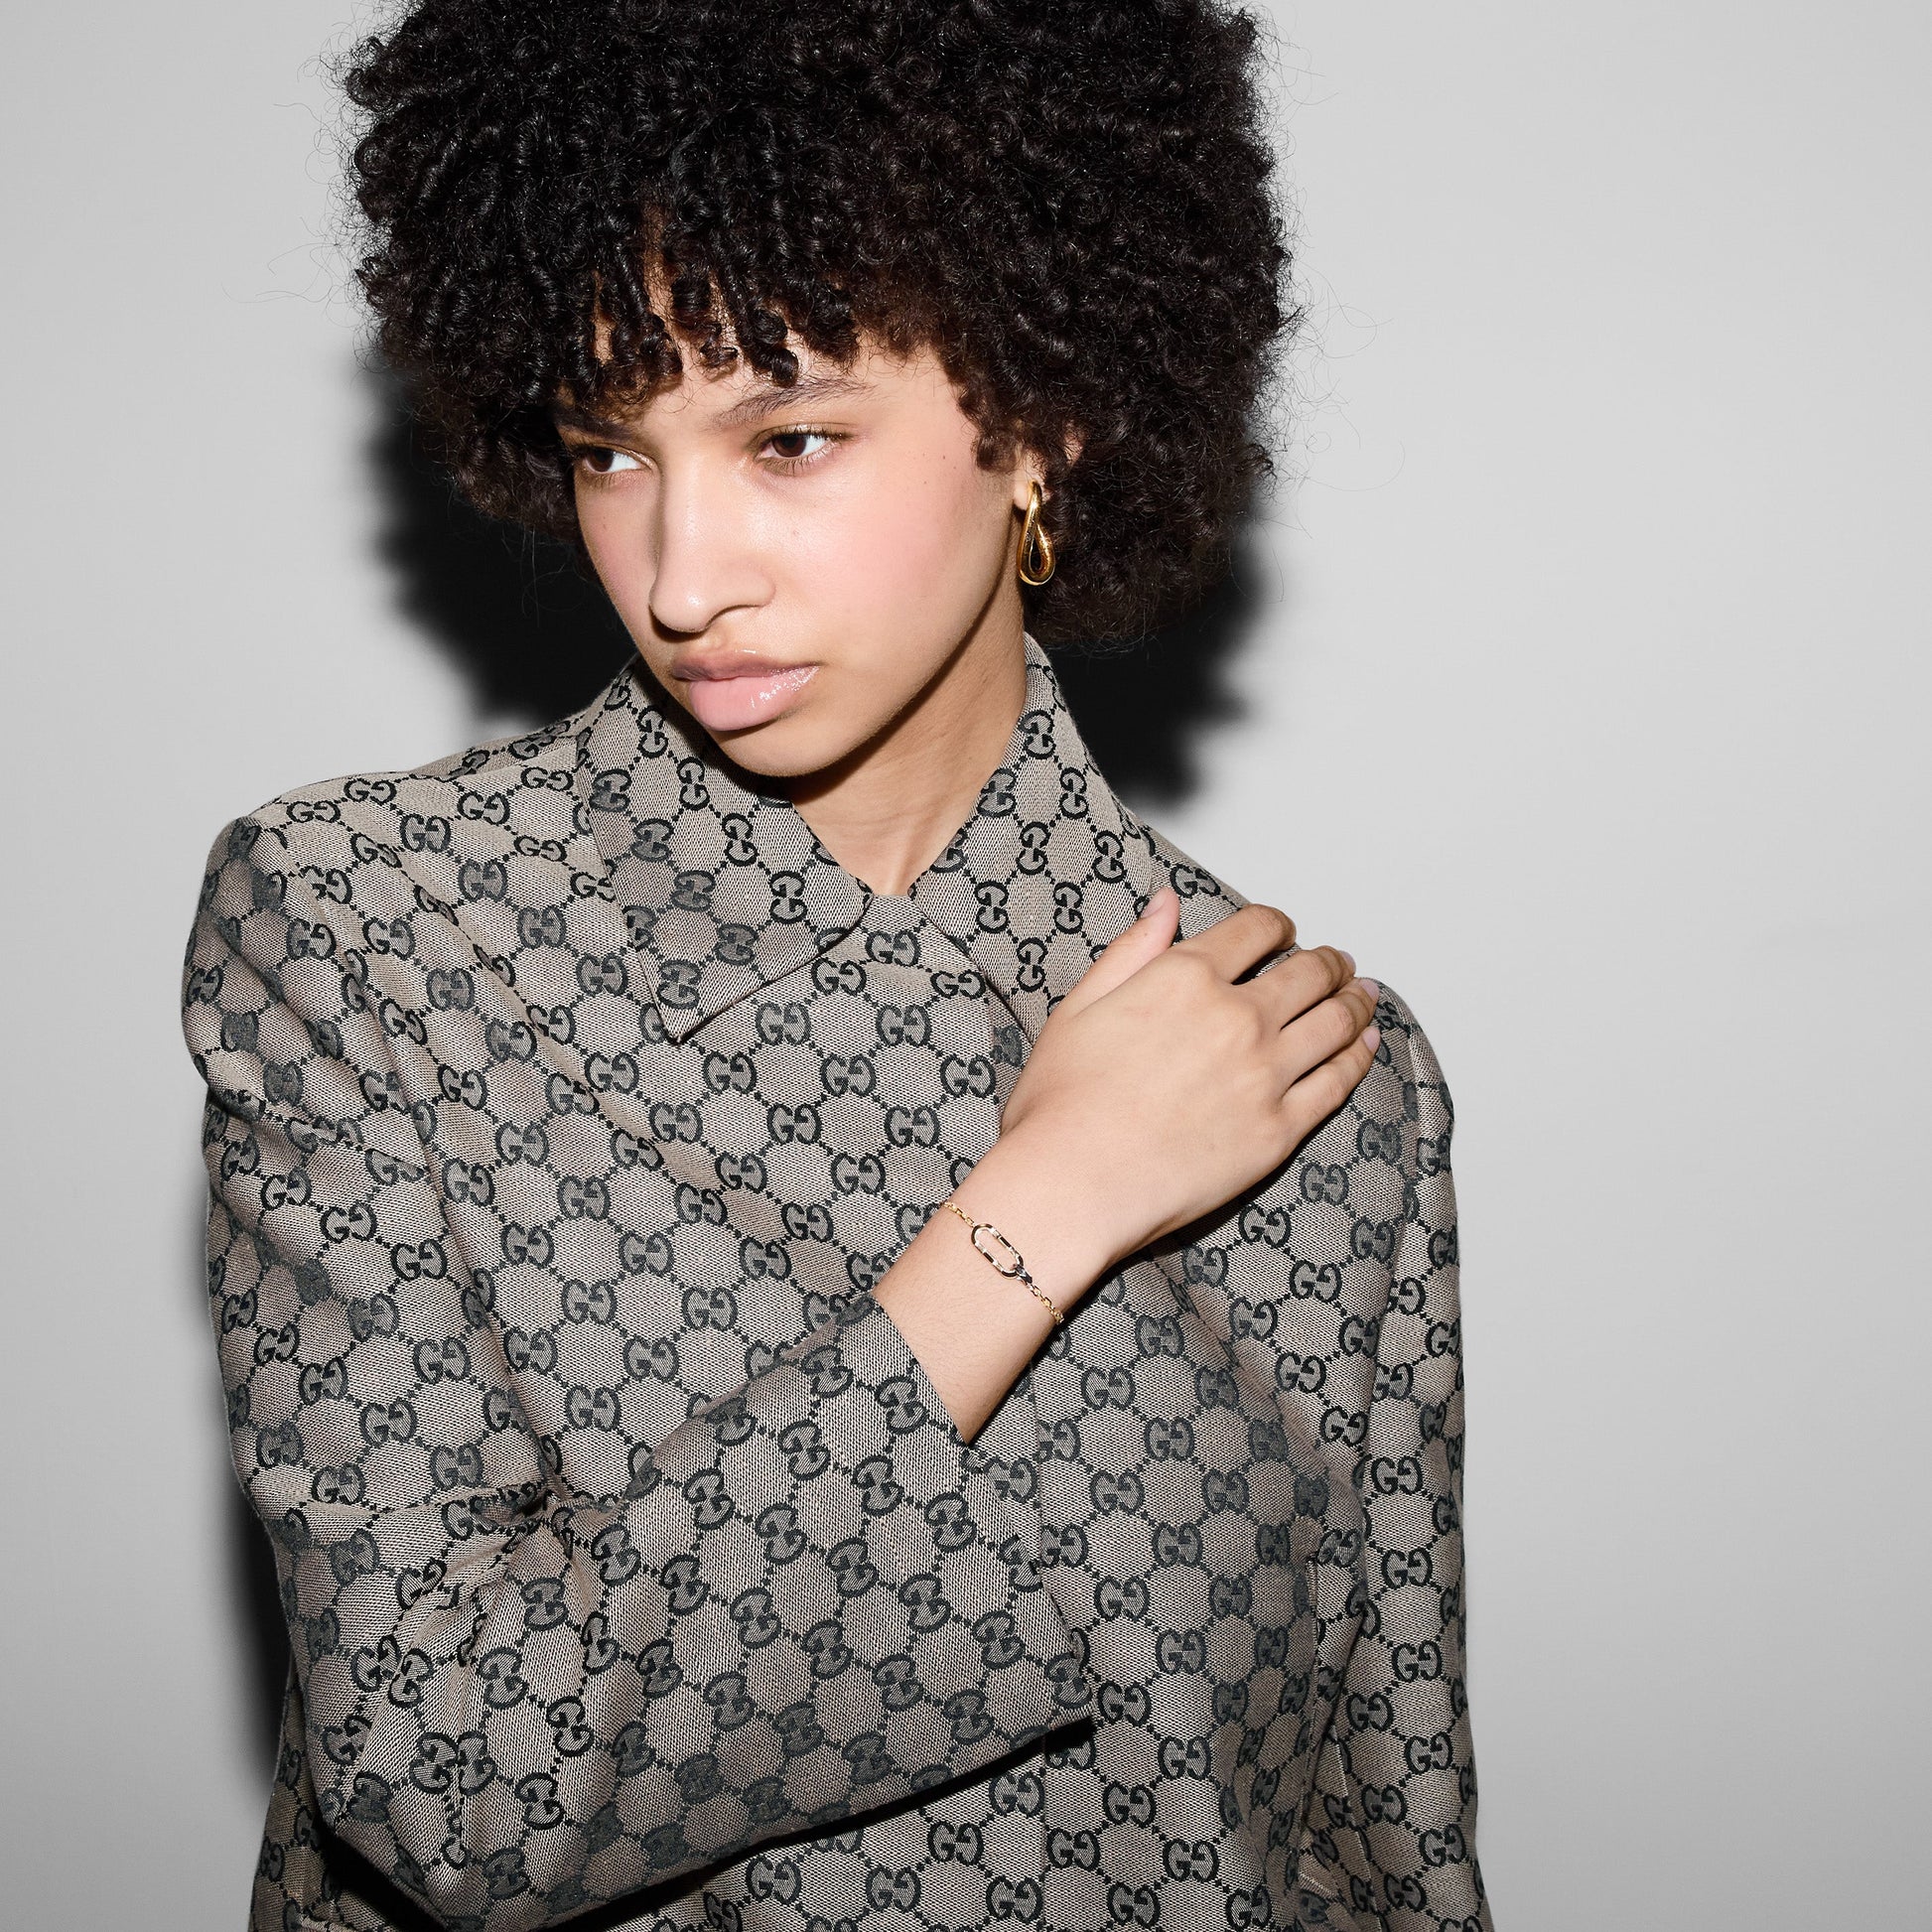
708, 554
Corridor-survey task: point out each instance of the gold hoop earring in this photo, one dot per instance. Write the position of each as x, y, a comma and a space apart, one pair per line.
1036, 562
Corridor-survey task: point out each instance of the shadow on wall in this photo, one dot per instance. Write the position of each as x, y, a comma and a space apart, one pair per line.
534, 637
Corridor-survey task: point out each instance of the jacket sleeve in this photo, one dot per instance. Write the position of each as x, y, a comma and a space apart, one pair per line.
810, 1599
1396, 1797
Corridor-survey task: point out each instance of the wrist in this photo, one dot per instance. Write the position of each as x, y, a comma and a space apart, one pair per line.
1060, 1230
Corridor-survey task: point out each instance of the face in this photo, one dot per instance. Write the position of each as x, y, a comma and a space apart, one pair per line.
801, 567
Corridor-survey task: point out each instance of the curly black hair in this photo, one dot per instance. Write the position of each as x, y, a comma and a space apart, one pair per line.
1068, 203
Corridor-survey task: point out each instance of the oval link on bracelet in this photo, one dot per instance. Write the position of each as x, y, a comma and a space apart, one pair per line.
1019, 1267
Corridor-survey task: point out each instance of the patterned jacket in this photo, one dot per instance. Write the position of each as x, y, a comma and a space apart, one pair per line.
566, 1098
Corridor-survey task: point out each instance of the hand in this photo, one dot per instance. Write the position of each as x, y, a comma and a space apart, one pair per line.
1161, 1085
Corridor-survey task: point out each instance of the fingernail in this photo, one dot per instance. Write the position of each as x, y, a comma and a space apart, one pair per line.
1372, 1036
1348, 956
1373, 988
1154, 900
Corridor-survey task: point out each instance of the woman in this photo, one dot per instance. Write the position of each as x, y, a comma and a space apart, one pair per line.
828, 1330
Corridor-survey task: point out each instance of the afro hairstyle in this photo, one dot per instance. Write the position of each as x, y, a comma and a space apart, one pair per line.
1069, 205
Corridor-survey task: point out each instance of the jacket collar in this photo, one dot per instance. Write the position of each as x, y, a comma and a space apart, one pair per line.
726, 888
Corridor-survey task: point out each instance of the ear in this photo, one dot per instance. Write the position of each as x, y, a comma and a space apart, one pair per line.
1027, 470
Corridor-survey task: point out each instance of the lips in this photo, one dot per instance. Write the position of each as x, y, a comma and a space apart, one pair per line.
728, 699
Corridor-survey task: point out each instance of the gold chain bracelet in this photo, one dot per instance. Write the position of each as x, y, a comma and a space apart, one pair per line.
1019, 1267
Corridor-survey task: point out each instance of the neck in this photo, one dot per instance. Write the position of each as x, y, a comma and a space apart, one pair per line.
889, 809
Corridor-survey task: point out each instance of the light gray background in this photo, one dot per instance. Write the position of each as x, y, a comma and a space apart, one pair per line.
1586, 692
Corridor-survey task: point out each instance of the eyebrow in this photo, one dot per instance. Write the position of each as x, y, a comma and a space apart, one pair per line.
768, 396
764, 400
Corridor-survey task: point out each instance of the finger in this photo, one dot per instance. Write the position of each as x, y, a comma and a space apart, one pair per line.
1325, 1087
1327, 1029
1233, 945
1128, 951
1300, 982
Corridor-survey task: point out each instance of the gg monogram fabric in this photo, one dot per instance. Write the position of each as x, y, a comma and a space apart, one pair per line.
566, 1099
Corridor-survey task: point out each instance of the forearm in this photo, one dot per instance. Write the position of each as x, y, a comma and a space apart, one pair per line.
807, 1607
973, 1329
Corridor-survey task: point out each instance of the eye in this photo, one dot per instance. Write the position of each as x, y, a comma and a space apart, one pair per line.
600, 460
794, 449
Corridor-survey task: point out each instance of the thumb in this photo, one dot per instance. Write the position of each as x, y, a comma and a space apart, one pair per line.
1128, 951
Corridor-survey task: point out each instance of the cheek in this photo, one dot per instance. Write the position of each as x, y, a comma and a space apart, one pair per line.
918, 549
617, 553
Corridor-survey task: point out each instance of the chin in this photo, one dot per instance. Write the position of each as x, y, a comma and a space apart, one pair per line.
784, 748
